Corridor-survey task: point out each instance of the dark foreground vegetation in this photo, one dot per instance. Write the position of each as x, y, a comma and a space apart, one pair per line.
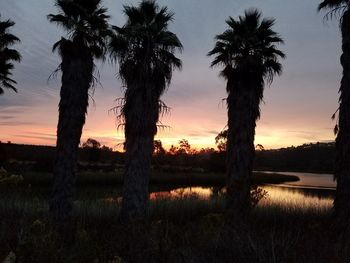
185, 229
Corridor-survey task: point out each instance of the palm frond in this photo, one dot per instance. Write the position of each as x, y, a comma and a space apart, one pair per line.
7, 40
335, 8
248, 43
145, 51
5, 25
8, 55
85, 22
331, 4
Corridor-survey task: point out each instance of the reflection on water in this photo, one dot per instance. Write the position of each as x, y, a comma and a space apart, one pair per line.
297, 198
277, 196
310, 180
200, 192
314, 191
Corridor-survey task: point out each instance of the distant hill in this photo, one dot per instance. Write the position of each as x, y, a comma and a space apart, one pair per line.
41, 158
313, 157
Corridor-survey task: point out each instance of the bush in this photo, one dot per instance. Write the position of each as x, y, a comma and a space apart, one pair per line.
9, 179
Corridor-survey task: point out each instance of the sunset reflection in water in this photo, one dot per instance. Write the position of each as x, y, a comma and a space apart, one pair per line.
200, 192
276, 196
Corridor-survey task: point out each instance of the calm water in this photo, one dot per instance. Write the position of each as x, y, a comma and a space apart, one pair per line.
312, 189
310, 180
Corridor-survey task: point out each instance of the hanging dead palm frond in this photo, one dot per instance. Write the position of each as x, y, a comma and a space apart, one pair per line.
336, 127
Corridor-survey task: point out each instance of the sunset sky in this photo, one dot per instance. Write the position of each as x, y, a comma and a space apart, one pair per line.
297, 107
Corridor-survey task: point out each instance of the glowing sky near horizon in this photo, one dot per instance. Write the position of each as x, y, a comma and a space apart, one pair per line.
297, 107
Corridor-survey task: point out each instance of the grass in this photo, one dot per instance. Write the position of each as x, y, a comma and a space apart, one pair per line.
284, 227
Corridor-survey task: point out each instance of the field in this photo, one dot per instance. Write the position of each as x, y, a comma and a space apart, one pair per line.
283, 227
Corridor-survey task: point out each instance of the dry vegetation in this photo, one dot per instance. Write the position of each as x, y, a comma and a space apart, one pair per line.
288, 227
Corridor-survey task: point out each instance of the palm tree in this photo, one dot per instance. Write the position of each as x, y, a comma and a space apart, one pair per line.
144, 49
342, 171
249, 56
7, 56
87, 27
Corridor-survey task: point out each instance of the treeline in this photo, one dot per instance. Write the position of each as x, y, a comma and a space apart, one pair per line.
313, 157
21, 157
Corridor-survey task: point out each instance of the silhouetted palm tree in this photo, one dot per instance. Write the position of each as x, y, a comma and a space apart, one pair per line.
87, 27
7, 56
247, 51
145, 51
342, 171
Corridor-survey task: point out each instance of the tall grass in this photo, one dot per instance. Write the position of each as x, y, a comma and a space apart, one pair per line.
294, 201
285, 227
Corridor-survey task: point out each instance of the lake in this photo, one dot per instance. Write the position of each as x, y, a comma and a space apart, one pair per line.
311, 190
310, 180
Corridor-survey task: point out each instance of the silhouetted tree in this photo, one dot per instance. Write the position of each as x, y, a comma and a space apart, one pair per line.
184, 147
247, 51
86, 24
106, 148
173, 150
221, 141
260, 147
93, 148
206, 151
7, 56
158, 154
145, 51
91, 143
342, 129
158, 148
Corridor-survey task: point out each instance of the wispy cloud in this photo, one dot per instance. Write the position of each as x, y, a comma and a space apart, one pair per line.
6, 117
308, 135
44, 138
306, 90
42, 134
16, 123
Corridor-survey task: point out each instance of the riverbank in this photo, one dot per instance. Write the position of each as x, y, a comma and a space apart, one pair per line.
185, 229
158, 178
285, 226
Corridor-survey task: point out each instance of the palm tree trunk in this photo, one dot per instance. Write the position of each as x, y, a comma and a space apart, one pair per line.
243, 110
77, 72
342, 172
141, 116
